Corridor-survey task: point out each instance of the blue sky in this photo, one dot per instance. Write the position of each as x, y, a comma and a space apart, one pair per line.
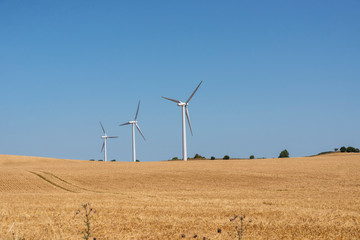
276, 75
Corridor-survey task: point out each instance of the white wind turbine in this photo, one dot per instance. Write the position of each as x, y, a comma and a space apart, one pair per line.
104, 144
134, 123
184, 111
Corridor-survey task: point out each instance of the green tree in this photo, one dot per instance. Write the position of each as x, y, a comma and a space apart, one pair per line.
226, 157
343, 149
212, 158
356, 150
252, 157
284, 154
350, 149
197, 156
336, 149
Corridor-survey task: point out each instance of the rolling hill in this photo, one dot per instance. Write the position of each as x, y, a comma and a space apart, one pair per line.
295, 198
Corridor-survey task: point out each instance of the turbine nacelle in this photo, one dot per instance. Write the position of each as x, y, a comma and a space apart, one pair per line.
180, 104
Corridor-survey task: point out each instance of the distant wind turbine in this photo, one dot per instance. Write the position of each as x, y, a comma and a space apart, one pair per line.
184, 111
134, 123
104, 144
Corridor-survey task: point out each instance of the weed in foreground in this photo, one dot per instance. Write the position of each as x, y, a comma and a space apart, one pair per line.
239, 227
88, 215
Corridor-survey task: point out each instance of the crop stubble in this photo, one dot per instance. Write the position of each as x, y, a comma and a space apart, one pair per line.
296, 198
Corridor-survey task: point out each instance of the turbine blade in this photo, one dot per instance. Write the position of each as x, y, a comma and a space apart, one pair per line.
102, 146
137, 111
113, 137
194, 92
102, 127
177, 101
188, 118
137, 126
124, 124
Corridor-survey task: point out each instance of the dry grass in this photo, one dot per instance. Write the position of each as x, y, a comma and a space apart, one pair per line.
297, 198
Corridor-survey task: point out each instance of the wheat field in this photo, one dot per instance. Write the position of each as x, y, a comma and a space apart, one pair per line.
296, 198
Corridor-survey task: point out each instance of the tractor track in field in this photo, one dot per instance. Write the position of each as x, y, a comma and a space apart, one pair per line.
52, 183
76, 189
71, 184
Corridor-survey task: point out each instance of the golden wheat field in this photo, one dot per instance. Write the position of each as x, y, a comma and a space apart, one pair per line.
296, 198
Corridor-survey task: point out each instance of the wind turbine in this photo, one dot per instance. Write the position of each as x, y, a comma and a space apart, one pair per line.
104, 144
185, 110
134, 123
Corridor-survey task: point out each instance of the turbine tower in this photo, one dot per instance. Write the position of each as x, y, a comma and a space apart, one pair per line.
134, 123
185, 110
104, 144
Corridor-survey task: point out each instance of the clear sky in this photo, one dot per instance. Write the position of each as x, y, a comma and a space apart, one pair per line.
276, 75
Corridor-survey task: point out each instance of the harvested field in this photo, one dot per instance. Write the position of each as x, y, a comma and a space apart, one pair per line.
296, 198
